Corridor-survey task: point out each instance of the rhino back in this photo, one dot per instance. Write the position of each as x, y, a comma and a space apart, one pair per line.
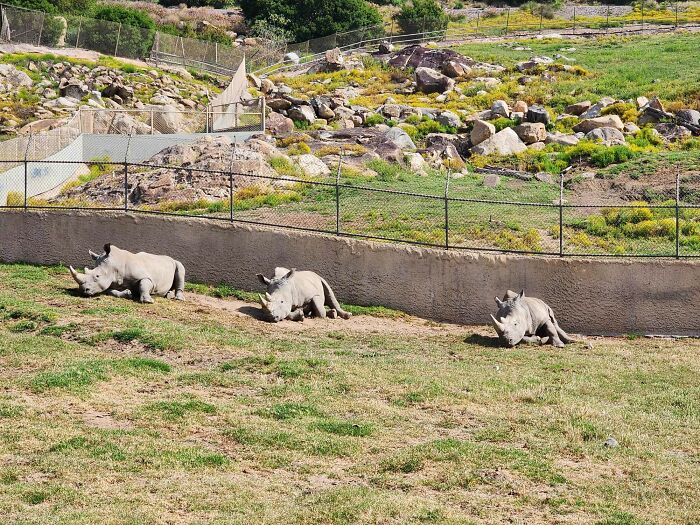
308, 285
539, 311
160, 269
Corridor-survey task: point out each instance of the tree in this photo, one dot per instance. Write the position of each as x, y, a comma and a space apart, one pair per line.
307, 19
422, 15
120, 30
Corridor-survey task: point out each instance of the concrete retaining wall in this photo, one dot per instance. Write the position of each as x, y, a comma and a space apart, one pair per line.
589, 296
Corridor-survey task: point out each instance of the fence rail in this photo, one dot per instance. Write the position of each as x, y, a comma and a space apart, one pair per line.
449, 220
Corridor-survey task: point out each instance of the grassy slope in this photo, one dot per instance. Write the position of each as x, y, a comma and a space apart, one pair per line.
624, 68
113, 412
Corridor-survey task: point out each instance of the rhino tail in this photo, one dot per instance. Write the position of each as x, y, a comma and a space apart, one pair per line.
566, 338
330, 298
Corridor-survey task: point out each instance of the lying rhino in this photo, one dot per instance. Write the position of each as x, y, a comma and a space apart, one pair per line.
124, 274
521, 318
292, 294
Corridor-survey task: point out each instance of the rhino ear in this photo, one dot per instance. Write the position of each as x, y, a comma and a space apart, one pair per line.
520, 295
94, 255
290, 273
108, 248
263, 279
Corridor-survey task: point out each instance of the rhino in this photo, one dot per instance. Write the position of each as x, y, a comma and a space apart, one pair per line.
121, 273
292, 294
528, 319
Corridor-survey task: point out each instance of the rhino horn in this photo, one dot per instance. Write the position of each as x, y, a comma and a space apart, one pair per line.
268, 296
263, 301
499, 325
78, 278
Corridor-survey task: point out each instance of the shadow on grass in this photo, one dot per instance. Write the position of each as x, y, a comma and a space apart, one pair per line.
256, 313
483, 340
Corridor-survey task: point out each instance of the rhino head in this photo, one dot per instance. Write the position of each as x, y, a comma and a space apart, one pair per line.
511, 320
278, 300
100, 278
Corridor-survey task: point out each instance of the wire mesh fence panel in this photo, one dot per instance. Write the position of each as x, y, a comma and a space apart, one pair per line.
689, 230
289, 203
72, 185
634, 230
11, 184
392, 216
518, 227
21, 25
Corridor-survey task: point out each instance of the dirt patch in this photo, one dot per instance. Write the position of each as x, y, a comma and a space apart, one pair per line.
104, 421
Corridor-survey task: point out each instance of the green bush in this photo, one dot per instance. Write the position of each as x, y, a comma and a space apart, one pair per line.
422, 15
134, 39
307, 19
611, 155
218, 4
503, 123
373, 120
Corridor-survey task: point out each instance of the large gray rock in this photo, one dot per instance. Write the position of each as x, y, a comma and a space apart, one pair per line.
399, 137
431, 81
607, 121
531, 132
292, 58
689, 115
672, 132
560, 138
537, 114
595, 109
302, 114
578, 108
449, 119
415, 56
608, 136
167, 120
312, 165
279, 104
14, 77
505, 142
481, 131
279, 125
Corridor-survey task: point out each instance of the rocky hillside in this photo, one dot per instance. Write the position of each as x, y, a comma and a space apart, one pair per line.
40, 92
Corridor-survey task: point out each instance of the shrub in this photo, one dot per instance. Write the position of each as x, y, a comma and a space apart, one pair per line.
300, 148
422, 15
373, 120
612, 155
135, 36
306, 19
503, 123
14, 198
218, 4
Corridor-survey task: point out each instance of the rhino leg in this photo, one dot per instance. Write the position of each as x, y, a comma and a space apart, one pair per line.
179, 281
296, 315
145, 287
124, 294
551, 330
333, 313
532, 339
318, 306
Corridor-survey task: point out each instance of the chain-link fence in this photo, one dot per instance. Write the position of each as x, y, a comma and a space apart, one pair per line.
344, 206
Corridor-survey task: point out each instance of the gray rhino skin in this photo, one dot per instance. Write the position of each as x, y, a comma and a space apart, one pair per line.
528, 319
124, 274
291, 294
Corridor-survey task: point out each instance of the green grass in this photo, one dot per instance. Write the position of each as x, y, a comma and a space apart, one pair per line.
239, 421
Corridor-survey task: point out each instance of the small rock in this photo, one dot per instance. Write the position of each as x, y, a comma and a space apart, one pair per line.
578, 108
520, 107
500, 107
481, 131
611, 442
537, 114
531, 132
607, 121
608, 136
491, 180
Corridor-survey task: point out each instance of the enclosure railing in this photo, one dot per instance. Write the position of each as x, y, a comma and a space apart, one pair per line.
450, 220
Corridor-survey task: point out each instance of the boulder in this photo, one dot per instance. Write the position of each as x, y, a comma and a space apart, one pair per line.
631, 128
578, 108
324, 111
278, 124
117, 89
74, 89
441, 141
491, 180
302, 114
13, 77
520, 107
537, 114
455, 69
505, 142
167, 120
254, 80
415, 56
292, 58
543, 176
531, 132
672, 132
386, 47
607, 121
560, 138
312, 166
481, 131
642, 102
334, 60
400, 138
267, 86
279, 104
500, 108
416, 162
689, 115
652, 115
595, 109
449, 119
608, 136
536, 146
430, 81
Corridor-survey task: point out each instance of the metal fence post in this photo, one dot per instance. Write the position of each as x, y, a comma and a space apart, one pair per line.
447, 209
26, 170
126, 173
337, 192
678, 198
230, 184
391, 34
642, 7
41, 29
119, 32
507, 19
607, 20
541, 15
574, 29
478, 16
561, 214
77, 36
676, 15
